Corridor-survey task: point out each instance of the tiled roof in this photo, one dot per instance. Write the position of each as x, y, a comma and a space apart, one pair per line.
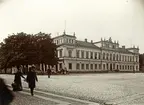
86, 44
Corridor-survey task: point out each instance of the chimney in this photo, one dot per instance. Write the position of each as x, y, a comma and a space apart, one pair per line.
123, 47
85, 40
91, 41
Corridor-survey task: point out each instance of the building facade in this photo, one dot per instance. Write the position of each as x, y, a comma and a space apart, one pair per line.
104, 55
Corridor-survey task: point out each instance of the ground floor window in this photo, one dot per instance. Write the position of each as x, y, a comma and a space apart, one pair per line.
104, 66
77, 66
99, 66
70, 65
107, 66
95, 66
87, 66
60, 65
117, 67
123, 67
91, 66
136, 67
82, 66
120, 67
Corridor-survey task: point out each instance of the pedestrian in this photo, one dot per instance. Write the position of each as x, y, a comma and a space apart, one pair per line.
6, 95
49, 72
17, 79
31, 79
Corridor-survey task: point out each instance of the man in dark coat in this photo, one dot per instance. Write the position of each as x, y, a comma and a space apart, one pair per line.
17, 79
31, 78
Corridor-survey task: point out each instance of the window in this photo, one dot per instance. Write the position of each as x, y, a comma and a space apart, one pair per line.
113, 57
70, 53
77, 53
87, 66
70, 65
120, 58
95, 66
82, 54
99, 66
82, 66
91, 66
67, 40
87, 54
123, 67
104, 66
107, 66
117, 57
57, 42
113, 66
78, 66
103, 55
120, 67
60, 65
95, 55
117, 67
110, 56
91, 55
60, 53
128, 67
107, 57
99, 56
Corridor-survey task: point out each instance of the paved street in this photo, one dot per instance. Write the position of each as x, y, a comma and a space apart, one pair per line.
120, 88
44, 98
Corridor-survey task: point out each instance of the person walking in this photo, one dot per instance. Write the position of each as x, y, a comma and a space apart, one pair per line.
6, 95
17, 79
49, 72
31, 79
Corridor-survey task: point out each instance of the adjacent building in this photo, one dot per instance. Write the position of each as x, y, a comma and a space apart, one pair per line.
104, 55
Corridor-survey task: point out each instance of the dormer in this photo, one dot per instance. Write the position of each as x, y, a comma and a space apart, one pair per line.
65, 39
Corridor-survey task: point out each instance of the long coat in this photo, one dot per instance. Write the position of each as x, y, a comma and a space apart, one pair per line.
31, 79
17, 78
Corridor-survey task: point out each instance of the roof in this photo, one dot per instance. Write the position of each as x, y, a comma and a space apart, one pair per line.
86, 44
64, 34
124, 50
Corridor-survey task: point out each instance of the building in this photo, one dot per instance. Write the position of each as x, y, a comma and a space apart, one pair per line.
104, 55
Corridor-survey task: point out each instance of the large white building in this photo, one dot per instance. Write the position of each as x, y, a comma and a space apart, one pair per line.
104, 55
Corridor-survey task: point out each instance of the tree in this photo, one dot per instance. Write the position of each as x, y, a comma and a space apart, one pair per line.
25, 49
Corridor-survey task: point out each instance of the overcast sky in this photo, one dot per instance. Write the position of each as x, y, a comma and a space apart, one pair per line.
122, 20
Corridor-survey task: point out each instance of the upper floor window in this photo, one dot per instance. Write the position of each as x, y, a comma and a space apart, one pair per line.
70, 53
117, 57
99, 56
113, 57
82, 54
77, 53
103, 55
87, 54
60, 53
91, 55
95, 55
107, 57
110, 56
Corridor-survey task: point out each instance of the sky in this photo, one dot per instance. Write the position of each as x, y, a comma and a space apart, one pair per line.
123, 20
